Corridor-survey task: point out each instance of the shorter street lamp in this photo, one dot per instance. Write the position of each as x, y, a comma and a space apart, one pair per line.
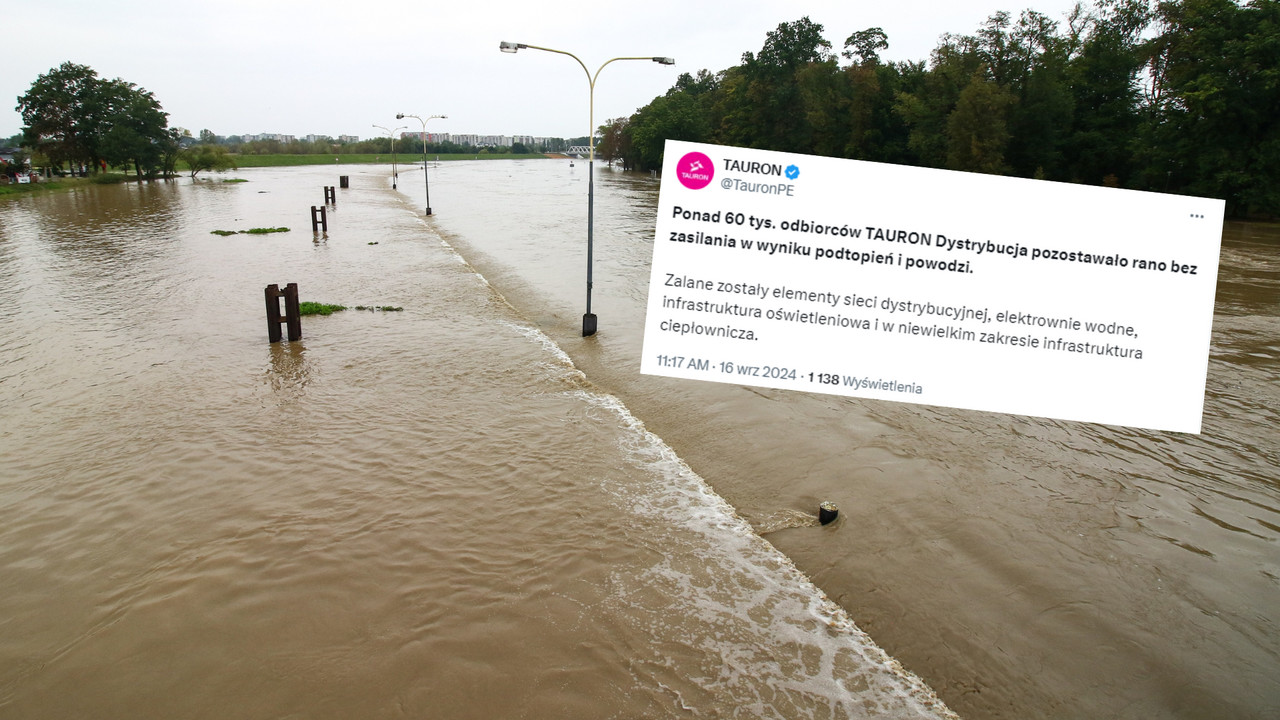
425, 181
395, 174
588, 318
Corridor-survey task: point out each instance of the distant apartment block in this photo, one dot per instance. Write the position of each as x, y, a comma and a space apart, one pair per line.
475, 140
269, 136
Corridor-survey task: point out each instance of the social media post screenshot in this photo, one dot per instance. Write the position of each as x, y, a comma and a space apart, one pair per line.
931, 286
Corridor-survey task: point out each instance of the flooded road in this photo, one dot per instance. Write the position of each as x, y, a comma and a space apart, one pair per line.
1023, 567
465, 509
425, 512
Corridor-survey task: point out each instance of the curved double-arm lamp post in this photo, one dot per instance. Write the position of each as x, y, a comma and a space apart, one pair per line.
588, 319
395, 174
425, 182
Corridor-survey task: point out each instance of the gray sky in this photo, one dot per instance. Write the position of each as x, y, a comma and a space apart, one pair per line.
337, 68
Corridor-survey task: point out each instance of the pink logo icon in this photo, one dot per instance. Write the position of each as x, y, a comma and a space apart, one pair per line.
695, 170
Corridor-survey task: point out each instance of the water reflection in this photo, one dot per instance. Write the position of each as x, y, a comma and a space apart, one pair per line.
288, 371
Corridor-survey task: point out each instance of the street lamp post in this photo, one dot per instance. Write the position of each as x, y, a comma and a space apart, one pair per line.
395, 174
588, 318
425, 182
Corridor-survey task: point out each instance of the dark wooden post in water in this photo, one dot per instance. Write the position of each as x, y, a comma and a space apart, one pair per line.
330, 195
342, 181
293, 314
319, 219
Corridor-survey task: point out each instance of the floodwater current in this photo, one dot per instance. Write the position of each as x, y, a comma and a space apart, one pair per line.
422, 512
465, 509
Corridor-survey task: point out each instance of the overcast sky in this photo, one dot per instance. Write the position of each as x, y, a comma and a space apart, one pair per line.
337, 68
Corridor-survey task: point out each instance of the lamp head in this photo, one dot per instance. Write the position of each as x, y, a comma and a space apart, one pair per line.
510, 47
399, 116
665, 60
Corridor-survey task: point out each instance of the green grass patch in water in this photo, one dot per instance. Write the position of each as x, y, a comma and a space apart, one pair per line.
315, 308
252, 231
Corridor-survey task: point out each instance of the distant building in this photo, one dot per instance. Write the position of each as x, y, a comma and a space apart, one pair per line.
479, 141
268, 136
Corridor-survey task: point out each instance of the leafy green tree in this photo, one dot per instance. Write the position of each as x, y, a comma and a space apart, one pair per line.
864, 46
1106, 98
1043, 114
199, 158
615, 141
72, 115
926, 103
1214, 117
977, 131
674, 116
136, 128
56, 113
766, 104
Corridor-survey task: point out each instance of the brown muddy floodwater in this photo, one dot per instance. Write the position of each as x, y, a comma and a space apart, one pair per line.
1023, 567
464, 509
418, 513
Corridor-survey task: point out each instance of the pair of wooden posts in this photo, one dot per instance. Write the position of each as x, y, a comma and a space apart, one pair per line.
292, 313
292, 318
320, 215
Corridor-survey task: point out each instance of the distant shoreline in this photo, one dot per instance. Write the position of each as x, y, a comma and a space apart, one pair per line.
406, 158
274, 160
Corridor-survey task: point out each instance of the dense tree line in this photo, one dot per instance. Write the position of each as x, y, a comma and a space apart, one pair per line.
72, 116
1178, 96
377, 145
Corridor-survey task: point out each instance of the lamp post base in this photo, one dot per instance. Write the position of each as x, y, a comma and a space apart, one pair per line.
428, 211
588, 324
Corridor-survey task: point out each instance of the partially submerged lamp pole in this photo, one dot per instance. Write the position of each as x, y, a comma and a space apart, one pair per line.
425, 181
395, 174
588, 318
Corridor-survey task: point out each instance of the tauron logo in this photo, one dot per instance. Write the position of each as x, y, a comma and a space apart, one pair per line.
695, 170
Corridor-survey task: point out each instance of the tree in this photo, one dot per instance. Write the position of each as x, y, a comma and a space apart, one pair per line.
615, 141
72, 115
136, 128
674, 116
864, 46
1213, 124
929, 98
1106, 96
977, 132
56, 116
765, 103
207, 157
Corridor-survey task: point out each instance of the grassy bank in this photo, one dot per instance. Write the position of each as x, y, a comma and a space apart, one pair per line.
14, 189
252, 161
248, 161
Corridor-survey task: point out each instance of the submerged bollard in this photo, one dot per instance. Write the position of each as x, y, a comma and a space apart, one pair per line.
319, 219
342, 181
292, 312
330, 195
827, 512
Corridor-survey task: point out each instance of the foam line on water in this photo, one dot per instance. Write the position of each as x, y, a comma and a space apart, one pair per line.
753, 605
